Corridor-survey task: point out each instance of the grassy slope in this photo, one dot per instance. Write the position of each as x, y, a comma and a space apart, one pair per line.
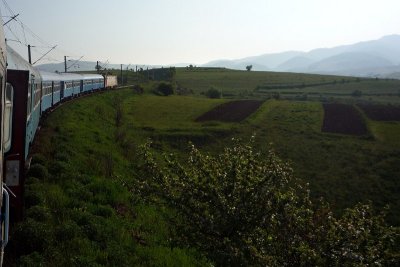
234, 81
243, 84
83, 144
80, 216
343, 169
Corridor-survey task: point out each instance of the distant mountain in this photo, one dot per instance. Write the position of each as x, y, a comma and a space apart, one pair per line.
349, 61
376, 58
263, 62
296, 64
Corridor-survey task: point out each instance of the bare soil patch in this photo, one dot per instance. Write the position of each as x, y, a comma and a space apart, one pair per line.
343, 119
234, 111
381, 112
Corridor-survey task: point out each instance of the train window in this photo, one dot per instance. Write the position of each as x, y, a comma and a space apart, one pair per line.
8, 114
29, 103
46, 88
37, 93
56, 86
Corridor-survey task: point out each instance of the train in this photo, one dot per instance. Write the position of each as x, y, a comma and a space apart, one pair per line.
27, 94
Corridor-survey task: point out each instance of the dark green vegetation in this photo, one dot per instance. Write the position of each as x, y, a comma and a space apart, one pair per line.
79, 206
297, 86
243, 208
77, 211
213, 93
164, 89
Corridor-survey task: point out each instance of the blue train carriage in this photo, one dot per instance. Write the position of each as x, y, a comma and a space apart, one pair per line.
24, 87
51, 87
70, 85
92, 82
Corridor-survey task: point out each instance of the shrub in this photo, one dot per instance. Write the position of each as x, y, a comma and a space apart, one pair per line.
31, 260
356, 93
213, 93
31, 236
38, 171
244, 208
164, 89
38, 213
39, 159
138, 89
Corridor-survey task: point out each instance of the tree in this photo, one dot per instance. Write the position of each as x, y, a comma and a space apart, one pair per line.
244, 208
164, 89
213, 93
356, 93
249, 67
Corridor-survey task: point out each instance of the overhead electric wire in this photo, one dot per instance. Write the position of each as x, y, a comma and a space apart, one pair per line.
44, 54
24, 40
16, 37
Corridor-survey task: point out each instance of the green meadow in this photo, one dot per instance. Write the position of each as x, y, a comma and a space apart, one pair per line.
82, 157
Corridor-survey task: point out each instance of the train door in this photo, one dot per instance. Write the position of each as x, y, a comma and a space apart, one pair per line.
18, 108
81, 83
52, 93
62, 90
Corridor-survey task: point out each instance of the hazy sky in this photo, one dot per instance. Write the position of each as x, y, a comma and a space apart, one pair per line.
175, 31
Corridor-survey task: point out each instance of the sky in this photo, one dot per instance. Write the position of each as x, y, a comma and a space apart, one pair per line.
167, 32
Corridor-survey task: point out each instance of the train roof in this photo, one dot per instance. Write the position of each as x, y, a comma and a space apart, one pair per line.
50, 76
92, 76
70, 76
16, 62
54, 76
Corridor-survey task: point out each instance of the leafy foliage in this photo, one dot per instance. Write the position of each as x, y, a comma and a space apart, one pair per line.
213, 93
245, 208
164, 89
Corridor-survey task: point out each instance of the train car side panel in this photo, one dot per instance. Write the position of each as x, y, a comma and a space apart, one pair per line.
15, 157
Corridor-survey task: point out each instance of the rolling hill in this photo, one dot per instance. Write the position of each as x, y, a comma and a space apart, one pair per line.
376, 58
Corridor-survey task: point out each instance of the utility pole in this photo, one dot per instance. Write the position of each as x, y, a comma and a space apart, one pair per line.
65, 64
127, 73
97, 67
29, 54
122, 77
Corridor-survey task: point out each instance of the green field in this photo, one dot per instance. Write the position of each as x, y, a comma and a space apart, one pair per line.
86, 153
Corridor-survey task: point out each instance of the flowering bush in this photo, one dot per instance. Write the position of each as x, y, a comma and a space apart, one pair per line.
245, 208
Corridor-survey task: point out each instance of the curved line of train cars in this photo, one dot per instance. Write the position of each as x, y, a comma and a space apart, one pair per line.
29, 93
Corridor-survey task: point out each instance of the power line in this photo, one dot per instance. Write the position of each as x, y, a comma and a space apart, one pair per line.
21, 34
45, 54
8, 7
12, 18
75, 62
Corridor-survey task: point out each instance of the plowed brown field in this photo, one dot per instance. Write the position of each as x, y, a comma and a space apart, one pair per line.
381, 112
234, 111
343, 119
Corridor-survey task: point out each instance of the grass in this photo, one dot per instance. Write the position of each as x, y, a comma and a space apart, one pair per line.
243, 82
168, 113
386, 132
79, 213
343, 169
